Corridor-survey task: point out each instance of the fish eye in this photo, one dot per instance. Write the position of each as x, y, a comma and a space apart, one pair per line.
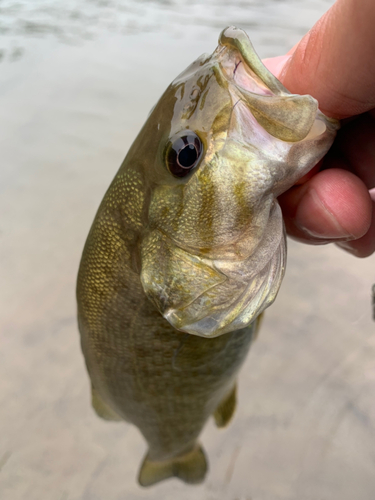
183, 153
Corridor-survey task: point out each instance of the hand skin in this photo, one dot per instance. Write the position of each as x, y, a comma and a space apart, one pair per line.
334, 63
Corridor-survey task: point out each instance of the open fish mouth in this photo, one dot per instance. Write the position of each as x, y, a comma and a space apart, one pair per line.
265, 96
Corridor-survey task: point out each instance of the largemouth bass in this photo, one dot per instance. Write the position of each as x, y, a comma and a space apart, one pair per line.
188, 249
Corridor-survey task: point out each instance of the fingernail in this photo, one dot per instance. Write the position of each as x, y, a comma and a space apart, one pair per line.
315, 219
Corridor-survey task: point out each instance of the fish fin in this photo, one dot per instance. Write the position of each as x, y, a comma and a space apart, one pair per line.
225, 411
101, 408
190, 468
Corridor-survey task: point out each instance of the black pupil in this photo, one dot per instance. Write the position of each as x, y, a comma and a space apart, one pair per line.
187, 156
184, 154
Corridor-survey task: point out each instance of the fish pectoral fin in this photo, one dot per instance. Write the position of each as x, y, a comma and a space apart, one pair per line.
225, 411
101, 408
190, 468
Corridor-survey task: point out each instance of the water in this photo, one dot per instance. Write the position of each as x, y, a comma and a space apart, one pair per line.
77, 79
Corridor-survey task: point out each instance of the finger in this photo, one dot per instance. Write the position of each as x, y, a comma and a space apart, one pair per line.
356, 144
276, 64
365, 246
331, 206
333, 62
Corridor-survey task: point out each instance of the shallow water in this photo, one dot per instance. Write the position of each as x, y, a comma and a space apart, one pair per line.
77, 79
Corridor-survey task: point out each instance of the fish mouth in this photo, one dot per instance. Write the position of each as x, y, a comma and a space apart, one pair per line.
288, 117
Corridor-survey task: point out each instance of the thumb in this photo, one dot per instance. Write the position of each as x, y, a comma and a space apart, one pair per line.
334, 60
276, 64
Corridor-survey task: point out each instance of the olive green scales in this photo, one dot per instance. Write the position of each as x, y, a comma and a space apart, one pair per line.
188, 248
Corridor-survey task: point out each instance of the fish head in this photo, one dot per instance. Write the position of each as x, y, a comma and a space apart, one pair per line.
228, 139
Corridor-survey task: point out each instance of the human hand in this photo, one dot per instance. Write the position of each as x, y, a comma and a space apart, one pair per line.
334, 63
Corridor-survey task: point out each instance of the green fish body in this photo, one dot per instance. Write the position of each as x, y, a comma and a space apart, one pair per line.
188, 248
